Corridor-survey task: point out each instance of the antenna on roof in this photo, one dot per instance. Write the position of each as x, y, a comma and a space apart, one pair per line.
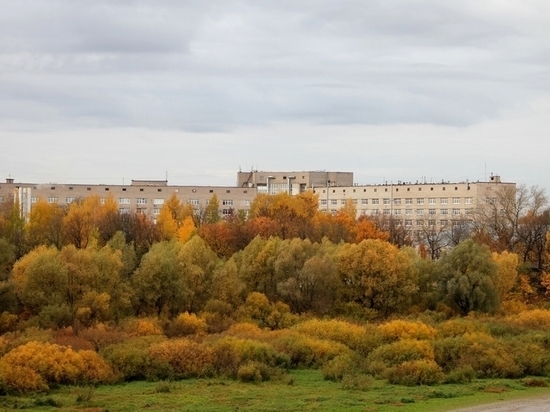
167, 176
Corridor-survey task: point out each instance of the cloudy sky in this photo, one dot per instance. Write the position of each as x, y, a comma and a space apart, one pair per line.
106, 91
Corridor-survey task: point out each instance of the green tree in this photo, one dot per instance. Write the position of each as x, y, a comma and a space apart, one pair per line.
467, 278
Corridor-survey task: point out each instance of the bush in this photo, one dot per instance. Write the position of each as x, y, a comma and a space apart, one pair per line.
230, 353
142, 327
418, 372
8, 322
306, 351
395, 353
57, 364
402, 329
187, 358
20, 379
55, 316
532, 319
102, 335
464, 374
335, 369
253, 372
132, 360
350, 334
458, 327
186, 324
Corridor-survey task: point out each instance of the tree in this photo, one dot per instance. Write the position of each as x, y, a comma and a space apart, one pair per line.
45, 224
467, 278
376, 275
158, 283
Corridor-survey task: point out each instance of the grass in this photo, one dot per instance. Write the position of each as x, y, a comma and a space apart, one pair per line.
303, 390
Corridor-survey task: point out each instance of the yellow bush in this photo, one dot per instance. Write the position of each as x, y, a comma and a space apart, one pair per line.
418, 372
187, 324
15, 378
58, 364
187, 358
143, 327
246, 331
512, 306
102, 335
458, 327
532, 319
8, 321
396, 353
347, 333
402, 329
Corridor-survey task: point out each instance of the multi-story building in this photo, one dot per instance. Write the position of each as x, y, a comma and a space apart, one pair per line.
414, 205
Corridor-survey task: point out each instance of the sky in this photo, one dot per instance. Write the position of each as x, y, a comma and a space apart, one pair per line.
392, 90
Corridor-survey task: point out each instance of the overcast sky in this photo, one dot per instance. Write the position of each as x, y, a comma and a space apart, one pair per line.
108, 91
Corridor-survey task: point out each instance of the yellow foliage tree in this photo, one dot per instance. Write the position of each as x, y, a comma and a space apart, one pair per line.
507, 276
186, 230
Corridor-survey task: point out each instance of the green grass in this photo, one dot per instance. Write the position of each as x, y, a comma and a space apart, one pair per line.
303, 390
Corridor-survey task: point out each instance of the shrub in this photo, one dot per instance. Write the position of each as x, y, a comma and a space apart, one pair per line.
246, 331
132, 360
58, 364
464, 374
143, 327
55, 316
186, 324
12, 340
335, 369
230, 353
102, 335
533, 358
20, 379
187, 358
417, 372
395, 353
8, 322
305, 351
458, 327
357, 382
350, 334
532, 319
253, 371
402, 329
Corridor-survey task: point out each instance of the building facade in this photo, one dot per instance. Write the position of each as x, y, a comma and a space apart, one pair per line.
414, 205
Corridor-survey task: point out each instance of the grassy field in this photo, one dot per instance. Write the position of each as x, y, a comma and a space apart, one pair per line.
303, 390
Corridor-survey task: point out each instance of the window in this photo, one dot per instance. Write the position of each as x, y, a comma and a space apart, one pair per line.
52, 199
431, 222
408, 201
194, 202
386, 201
396, 201
141, 201
469, 211
397, 211
34, 199
444, 223
374, 212
408, 212
69, 200
354, 201
444, 201
419, 212
124, 201
456, 212
431, 211
246, 203
323, 202
386, 211
408, 223
375, 201
420, 201
456, 200
123, 211
444, 211
333, 202
227, 212
343, 201
102, 200
431, 200
469, 200
156, 211
364, 201
158, 201
227, 202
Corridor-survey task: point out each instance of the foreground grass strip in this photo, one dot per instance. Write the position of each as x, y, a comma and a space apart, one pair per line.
303, 390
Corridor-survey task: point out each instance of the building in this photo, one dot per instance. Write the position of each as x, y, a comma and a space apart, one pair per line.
414, 205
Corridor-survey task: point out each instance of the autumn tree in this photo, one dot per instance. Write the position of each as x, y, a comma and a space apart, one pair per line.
45, 224
376, 275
